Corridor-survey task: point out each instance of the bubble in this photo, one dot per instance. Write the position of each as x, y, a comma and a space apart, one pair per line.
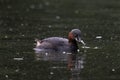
40, 6
18, 39
111, 38
85, 51
27, 10
46, 54
17, 53
22, 24
107, 56
6, 76
57, 17
10, 29
96, 47
51, 73
64, 52
17, 70
47, 3
6, 36
9, 6
22, 35
32, 6
49, 26
113, 69
78, 50
82, 66
76, 11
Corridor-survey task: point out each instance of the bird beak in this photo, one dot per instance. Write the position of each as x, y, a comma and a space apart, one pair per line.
79, 40
83, 42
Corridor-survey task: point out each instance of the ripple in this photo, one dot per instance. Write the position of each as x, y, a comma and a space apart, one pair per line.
18, 59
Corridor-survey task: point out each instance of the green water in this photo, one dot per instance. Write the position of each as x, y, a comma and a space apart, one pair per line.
21, 21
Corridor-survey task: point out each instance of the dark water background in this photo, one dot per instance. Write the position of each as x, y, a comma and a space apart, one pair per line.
21, 21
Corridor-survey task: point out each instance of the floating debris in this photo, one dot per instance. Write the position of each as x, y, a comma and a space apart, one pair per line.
18, 59
98, 37
96, 47
86, 47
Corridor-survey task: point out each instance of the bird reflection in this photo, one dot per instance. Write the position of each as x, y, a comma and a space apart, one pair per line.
71, 61
74, 62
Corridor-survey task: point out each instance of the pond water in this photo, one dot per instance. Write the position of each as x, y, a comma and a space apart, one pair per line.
22, 21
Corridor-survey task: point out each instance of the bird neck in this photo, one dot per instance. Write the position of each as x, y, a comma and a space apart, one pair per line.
73, 45
71, 39
70, 36
72, 42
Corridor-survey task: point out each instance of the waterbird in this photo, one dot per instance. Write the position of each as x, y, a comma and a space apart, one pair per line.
60, 44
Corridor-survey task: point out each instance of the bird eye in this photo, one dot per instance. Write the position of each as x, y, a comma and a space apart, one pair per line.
75, 35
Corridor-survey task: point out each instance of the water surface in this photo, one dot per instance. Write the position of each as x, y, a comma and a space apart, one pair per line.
21, 21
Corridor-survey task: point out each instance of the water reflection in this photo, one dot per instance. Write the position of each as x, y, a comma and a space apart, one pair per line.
74, 63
